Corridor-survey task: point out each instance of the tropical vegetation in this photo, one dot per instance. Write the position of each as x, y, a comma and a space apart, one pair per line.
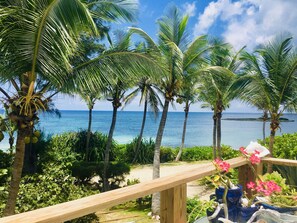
65, 47
271, 74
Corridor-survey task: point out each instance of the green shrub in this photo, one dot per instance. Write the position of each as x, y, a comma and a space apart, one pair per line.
205, 153
5, 164
167, 154
229, 153
197, 208
76, 141
55, 185
285, 146
197, 153
84, 171
146, 153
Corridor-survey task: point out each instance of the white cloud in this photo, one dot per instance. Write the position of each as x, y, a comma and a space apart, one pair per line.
249, 22
209, 16
189, 8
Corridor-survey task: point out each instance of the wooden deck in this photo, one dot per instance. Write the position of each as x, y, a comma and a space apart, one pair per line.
172, 188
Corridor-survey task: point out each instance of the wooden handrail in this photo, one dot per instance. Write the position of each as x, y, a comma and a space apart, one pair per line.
80, 207
282, 162
172, 185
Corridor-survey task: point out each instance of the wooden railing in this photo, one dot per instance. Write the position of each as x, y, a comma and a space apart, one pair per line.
172, 188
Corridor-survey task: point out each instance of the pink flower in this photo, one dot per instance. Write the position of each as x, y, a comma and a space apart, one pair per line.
251, 185
257, 152
222, 165
266, 188
255, 159
242, 150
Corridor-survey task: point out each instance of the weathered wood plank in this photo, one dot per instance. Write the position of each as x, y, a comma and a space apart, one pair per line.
282, 162
77, 208
173, 205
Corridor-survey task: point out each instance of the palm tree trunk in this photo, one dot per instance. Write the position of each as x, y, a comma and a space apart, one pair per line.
187, 108
11, 142
265, 116
108, 148
273, 126
214, 136
156, 165
137, 149
17, 169
219, 133
89, 133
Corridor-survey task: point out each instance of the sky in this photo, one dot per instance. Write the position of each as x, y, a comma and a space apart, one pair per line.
239, 22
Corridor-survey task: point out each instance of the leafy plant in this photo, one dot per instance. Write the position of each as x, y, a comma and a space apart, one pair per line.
205, 153
167, 154
197, 153
84, 171
196, 208
76, 141
145, 154
288, 172
285, 146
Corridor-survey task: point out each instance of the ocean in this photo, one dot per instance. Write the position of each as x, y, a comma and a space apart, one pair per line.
199, 128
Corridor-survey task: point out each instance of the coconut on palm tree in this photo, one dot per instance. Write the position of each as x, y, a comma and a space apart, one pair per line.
272, 73
37, 39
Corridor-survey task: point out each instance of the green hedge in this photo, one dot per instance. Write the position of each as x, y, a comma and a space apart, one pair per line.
285, 146
205, 153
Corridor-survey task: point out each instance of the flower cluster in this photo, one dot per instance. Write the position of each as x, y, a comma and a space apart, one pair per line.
254, 151
221, 165
265, 188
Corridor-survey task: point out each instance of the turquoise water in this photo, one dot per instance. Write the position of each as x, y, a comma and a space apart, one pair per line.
199, 129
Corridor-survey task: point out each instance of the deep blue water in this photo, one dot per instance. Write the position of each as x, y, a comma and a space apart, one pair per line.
199, 129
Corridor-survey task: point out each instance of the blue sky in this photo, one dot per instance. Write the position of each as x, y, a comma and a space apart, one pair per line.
239, 22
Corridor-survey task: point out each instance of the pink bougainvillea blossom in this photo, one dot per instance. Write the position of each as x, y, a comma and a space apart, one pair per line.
251, 185
222, 165
257, 152
242, 150
255, 159
265, 188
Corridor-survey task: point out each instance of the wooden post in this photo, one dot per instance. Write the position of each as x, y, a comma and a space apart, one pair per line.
246, 175
173, 205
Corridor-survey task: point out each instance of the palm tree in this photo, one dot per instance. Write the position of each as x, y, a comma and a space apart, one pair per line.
216, 88
257, 100
37, 39
88, 46
90, 100
189, 96
151, 99
271, 73
114, 92
176, 54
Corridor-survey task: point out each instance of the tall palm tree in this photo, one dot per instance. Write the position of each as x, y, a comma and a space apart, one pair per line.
258, 100
216, 88
272, 72
151, 99
114, 92
88, 47
188, 95
177, 54
90, 100
37, 40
